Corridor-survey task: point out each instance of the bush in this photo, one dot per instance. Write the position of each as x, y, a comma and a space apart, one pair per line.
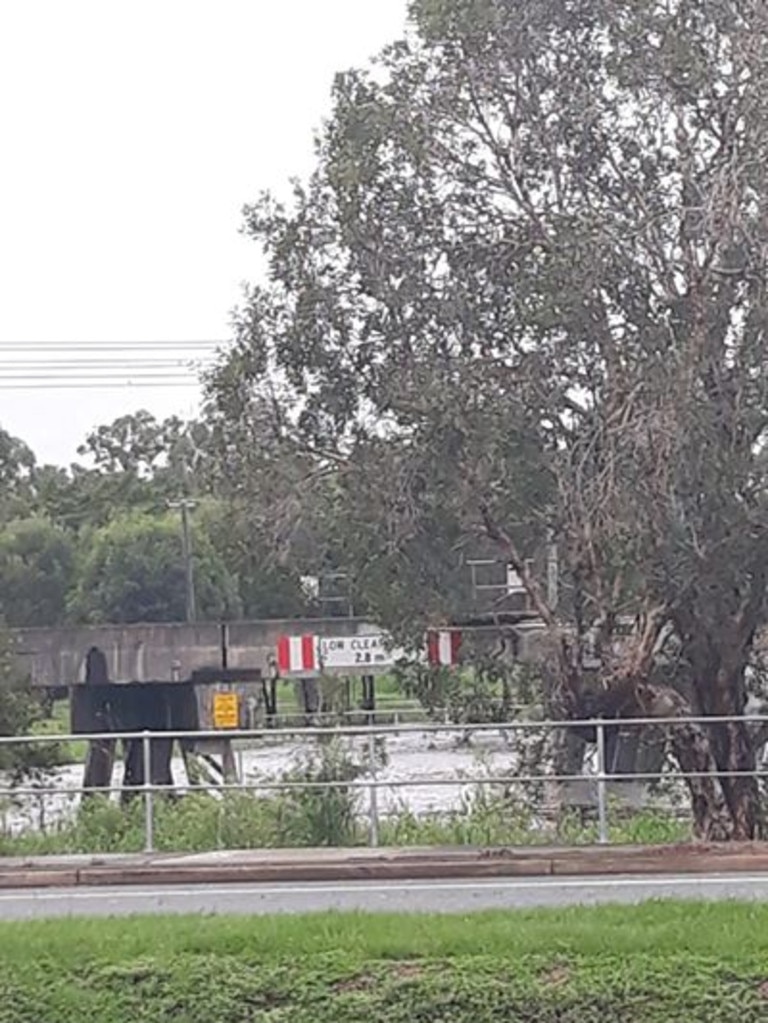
320, 816
193, 822
20, 710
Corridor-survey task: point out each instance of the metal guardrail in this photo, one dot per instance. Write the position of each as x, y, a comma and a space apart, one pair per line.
370, 782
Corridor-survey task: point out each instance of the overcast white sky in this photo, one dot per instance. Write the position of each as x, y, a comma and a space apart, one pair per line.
132, 133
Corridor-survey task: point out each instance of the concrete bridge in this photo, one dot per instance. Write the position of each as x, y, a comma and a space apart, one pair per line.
169, 653
165, 677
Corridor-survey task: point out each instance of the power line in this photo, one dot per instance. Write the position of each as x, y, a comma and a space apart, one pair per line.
101, 376
116, 384
97, 375
109, 365
59, 346
19, 365
80, 365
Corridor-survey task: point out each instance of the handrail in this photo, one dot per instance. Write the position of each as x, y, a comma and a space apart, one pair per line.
369, 780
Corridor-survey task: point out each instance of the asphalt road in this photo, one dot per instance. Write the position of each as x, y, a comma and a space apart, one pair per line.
395, 897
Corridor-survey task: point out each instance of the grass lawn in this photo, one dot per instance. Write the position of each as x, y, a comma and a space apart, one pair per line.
677, 963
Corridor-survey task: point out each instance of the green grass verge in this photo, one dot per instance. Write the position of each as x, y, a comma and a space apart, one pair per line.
657, 963
198, 823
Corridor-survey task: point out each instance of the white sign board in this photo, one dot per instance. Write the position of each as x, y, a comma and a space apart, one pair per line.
374, 651
365, 654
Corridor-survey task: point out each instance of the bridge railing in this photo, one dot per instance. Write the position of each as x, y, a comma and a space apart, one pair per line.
595, 771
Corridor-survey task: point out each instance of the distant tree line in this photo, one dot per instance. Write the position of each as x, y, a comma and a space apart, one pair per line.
97, 542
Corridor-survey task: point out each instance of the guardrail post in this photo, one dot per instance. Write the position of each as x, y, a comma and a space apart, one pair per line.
149, 810
373, 795
602, 792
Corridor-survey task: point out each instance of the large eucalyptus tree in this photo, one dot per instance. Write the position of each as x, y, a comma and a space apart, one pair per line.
525, 290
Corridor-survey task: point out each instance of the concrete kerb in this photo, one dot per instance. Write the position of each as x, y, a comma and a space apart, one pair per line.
326, 865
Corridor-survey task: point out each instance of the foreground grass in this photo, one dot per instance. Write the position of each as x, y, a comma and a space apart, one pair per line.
657, 962
198, 823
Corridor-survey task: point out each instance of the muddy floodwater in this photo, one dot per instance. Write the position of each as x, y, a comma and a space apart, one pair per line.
425, 761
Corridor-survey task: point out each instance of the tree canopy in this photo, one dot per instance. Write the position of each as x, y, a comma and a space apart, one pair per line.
134, 571
96, 542
37, 563
524, 290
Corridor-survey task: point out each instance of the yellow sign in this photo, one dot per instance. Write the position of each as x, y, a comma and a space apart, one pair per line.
226, 710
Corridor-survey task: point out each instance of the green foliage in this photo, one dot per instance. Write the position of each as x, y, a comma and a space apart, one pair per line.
308, 814
20, 711
316, 818
95, 542
455, 324
37, 561
488, 691
17, 463
135, 463
657, 963
266, 587
522, 294
131, 444
133, 571
322, 816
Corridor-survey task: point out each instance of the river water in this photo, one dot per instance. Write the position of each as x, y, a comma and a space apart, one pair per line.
417, 766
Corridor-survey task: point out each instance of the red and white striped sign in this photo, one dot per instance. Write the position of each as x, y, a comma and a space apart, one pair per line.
297, 653
443, 646
359, 654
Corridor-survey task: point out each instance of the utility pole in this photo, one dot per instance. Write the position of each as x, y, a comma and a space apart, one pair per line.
553, 582
185, 505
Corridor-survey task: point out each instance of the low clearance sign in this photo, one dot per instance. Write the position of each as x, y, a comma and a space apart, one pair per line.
359, 654
359, 651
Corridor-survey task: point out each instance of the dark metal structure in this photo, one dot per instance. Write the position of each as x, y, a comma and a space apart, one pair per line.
169, 677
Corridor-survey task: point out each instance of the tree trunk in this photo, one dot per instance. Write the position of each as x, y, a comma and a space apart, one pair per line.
717, 649
691, 748
722, 694
735, 753
724, 808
